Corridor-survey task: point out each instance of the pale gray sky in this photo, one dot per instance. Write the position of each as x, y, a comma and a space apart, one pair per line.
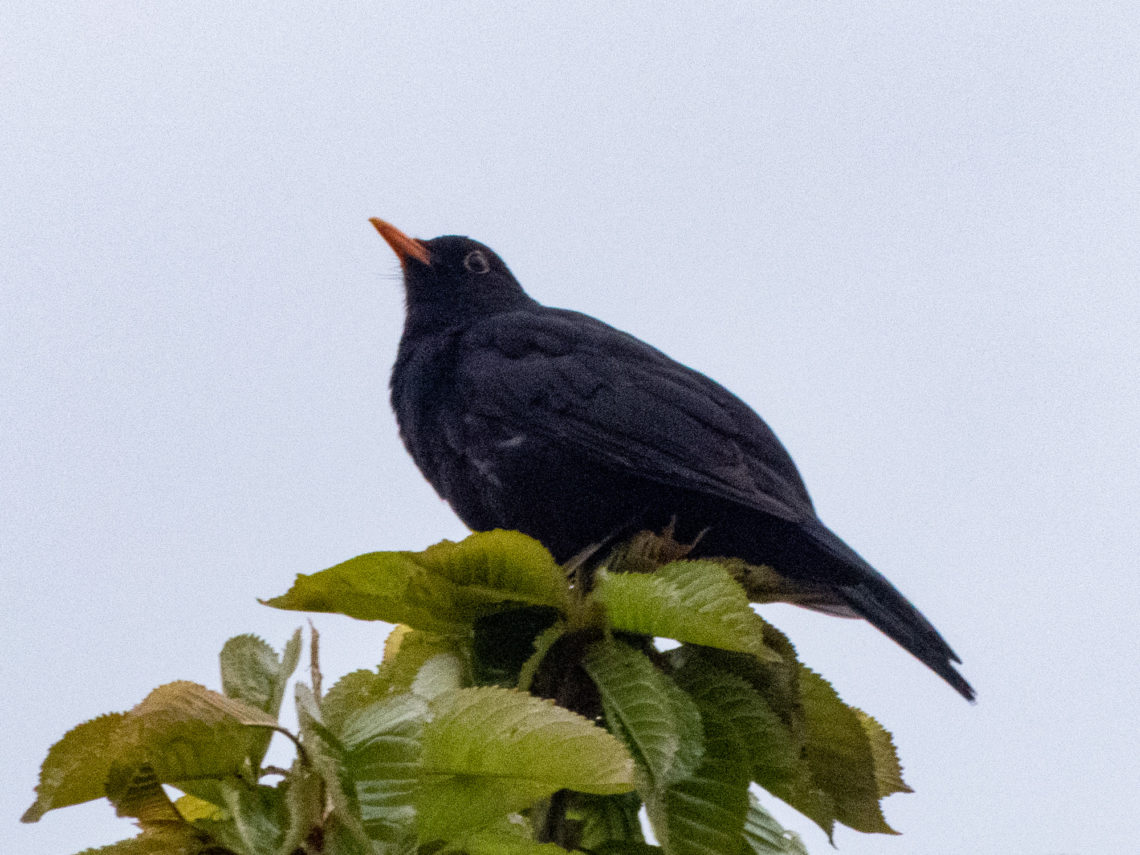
907, 234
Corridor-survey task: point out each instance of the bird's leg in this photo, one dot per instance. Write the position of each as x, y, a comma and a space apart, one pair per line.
584, 565
580, 569
647, 550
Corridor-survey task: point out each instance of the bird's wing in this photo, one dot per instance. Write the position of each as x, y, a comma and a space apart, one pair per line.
570, 379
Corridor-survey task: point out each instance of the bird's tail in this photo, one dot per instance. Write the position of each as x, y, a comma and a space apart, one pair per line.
872, 597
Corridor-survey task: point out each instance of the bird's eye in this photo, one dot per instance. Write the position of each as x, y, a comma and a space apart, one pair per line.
476, 262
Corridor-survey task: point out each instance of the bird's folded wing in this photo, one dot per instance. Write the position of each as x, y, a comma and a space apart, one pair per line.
618, 403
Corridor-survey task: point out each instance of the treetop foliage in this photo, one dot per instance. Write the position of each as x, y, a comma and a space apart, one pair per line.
520, 708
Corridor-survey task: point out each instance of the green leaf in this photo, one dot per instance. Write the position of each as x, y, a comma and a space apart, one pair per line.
325, 755
778, 683
352, 692
76, 767
252, 672
765, 836
405, 652
542, 646
387, 586
443, 589
503, 733
304, 803
627, 847
691, 601
501, 565
192, 809
444, 672
180, 840
843, 765
259, 817
200, 741
136, 791
181, 731
498, 843
489, 751
608, 819
383, 746
839, 753
658, 722
703, 814
888, 769
773, 753
185, 731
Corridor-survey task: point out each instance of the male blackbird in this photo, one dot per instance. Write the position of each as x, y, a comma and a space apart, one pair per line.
552, 423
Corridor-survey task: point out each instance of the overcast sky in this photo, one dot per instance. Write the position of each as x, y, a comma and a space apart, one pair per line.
907, 234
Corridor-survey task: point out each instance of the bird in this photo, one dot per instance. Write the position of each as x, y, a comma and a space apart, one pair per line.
553, 423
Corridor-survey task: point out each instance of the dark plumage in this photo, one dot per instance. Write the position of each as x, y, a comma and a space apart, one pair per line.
552, 423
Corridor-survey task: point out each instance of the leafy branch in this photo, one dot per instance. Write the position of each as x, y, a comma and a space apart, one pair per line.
514, 712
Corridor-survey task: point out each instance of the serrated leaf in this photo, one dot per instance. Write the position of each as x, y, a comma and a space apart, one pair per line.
778, 683
765, 836
837, 777
608, 819
325, 754
542, 646
256, 821
181, 840
181, 731
443, 589
405, 652
703, 814
658, 722
354, 691
253, 672
489, 751
303, 800
888, 769
185, 731
503, 733
691, 601
76, 767
773, 753
839, 754
200, 741
501, 565
383, 743
444, 672
136, 791
387, 586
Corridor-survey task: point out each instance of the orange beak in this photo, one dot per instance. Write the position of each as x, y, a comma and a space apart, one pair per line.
404, 246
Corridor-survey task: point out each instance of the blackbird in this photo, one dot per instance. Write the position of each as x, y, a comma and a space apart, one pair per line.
552, 423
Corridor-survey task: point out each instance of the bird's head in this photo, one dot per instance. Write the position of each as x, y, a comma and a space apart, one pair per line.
452, 277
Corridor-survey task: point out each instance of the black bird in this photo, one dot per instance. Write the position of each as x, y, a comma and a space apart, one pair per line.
552, 423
